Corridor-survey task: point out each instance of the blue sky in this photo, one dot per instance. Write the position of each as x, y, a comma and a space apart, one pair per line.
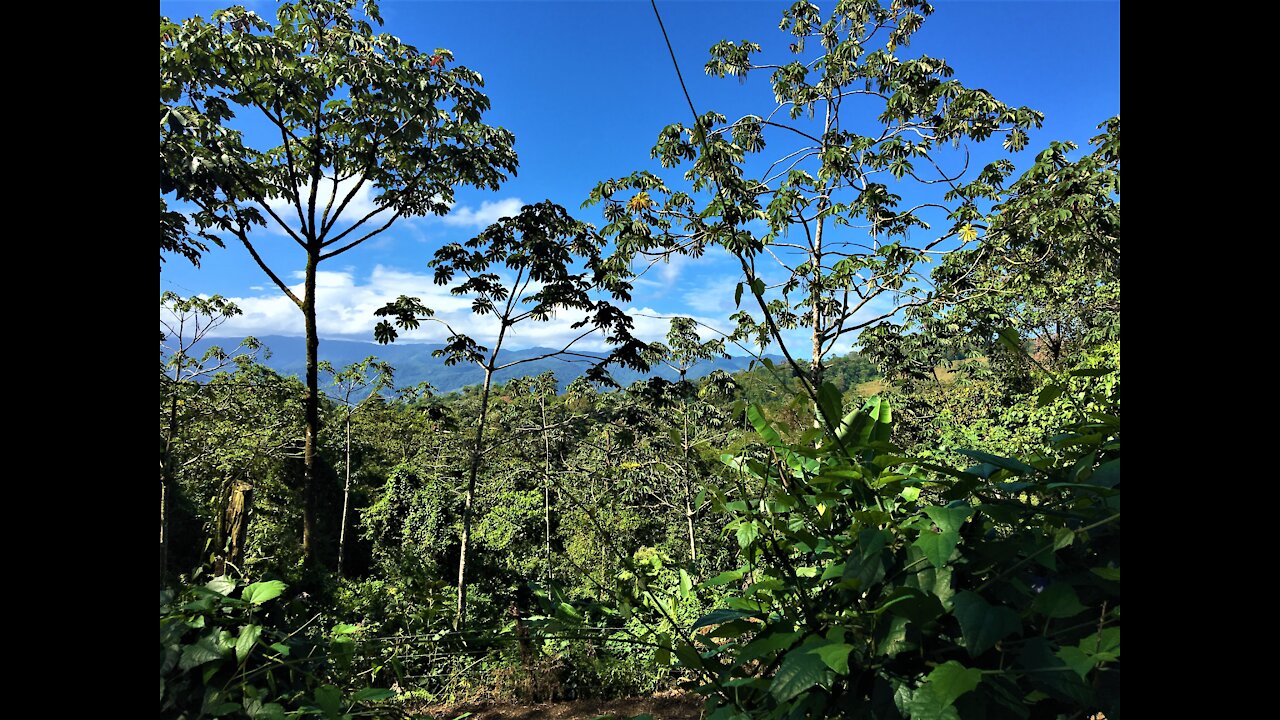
586, 86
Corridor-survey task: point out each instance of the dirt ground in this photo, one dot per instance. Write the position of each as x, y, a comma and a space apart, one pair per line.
674, 707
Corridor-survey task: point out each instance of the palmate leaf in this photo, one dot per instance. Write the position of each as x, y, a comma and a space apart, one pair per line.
799, 671
982, 624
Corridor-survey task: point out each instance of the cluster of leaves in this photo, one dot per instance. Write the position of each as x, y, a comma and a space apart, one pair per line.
222, 655
877, 585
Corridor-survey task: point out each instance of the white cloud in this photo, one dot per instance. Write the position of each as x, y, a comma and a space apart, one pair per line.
345, 308
488, 213
361, 204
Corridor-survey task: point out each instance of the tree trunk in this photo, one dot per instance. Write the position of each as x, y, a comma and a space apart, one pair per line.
166, 470
346, 500
546, 484
688, 517
461, 618
312, 406
235, 522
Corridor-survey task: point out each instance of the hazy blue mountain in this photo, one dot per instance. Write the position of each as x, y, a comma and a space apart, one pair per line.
413, 363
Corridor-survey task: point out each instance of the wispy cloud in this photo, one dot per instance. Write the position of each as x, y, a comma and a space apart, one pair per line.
345, 305
487, 214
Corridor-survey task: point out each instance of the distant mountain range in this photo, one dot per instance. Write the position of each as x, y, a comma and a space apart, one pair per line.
414, 363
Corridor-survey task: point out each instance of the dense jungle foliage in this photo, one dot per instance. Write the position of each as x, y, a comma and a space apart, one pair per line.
928, 527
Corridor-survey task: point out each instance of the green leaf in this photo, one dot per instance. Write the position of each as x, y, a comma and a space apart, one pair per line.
221, 585
1104, 646
747, 533
836, 656
372, 695
762, 426
912, 603
1000, 462
951, 680
894, 640
1048, 395
983, 625
269, 711
799, 671
724, 578
688, 655
1059, 600
737, 296
1107, 573
1107, 474
949, 518
766, 645
866, 565
1009, 338
202, 651
926, 703
247, 640
1077, 660
261, 592
686, 584
722, 615
1047, 672
1091, 372
329, 700
830, 402
937, 546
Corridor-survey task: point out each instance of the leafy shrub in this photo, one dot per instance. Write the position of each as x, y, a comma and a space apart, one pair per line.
876, 585
223, 656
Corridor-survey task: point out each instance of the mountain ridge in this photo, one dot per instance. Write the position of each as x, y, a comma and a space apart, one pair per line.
413, 362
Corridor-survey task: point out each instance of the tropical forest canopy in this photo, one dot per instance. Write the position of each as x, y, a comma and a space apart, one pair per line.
888, 486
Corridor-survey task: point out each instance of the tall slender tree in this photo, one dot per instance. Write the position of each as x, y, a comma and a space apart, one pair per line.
518, 270
187, 322
830, 232
370, 130
368, 375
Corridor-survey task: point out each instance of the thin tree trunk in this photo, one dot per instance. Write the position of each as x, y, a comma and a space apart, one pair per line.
688, 517
166, 471
688, 477
312, 405
469, 500
546, 484
346, 499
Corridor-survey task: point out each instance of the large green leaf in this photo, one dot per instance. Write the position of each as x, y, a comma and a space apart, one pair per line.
937, 546
951, 680
981, 624
912, 603
949, 518
926, 703
329, 700
835, 655
766, 645
762, 426
1059, 600
373, 695
830, 401
221, 585
248, 638
724, 578
202, 651
799, 671
1001, 462
866, 564
722, 615
1050, 674
261, 592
